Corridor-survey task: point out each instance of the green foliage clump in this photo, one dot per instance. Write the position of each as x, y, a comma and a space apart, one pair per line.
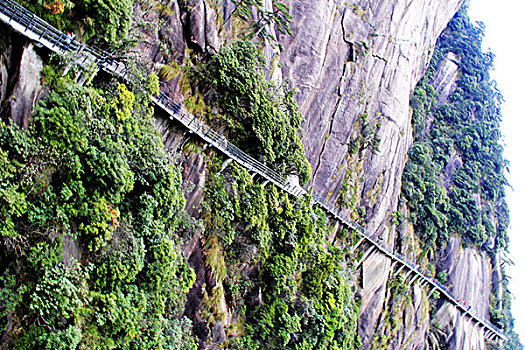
104, 22
454, 179
107, 21
12, 202
261, 117
90, 254
308, 300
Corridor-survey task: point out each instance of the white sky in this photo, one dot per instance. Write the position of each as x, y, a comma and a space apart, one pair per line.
504, 35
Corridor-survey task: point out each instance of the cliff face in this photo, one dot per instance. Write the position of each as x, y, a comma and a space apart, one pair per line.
469, 273
468, 270
354, 68
346, 61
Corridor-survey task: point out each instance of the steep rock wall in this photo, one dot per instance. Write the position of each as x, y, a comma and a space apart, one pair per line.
364, 58
471, 273
345, 61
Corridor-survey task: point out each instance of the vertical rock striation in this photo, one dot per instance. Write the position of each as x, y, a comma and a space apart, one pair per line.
345, 61
361, 59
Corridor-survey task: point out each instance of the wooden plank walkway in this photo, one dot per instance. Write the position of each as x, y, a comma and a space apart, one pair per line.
28, 24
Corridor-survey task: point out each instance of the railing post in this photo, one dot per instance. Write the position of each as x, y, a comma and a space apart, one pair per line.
29, 24
192, 119
398, 270
42, 34
432, 291
12, 15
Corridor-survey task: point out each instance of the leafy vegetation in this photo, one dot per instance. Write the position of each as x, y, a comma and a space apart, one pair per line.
91, 209
454, 180
455, 177
263, 118
105, 23
306, 299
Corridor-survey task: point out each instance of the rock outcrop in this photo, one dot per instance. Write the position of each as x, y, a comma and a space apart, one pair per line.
469, 275
20, 80
444, 81
28, 87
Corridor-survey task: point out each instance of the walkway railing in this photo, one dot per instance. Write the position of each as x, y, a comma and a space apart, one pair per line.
25, 22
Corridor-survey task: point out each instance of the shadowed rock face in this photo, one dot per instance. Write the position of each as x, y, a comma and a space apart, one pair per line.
20, 85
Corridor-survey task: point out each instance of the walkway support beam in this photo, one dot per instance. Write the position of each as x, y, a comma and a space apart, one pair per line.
413, 279
358, 244
368, 252
398, 270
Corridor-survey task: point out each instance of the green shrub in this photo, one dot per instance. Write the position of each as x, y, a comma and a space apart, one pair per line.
308, 300
105, 22
91, 170
260, 116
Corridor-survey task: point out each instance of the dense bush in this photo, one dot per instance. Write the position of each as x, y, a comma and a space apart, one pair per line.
308, 300
104, 22
91, 208
454, 179
258, 115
